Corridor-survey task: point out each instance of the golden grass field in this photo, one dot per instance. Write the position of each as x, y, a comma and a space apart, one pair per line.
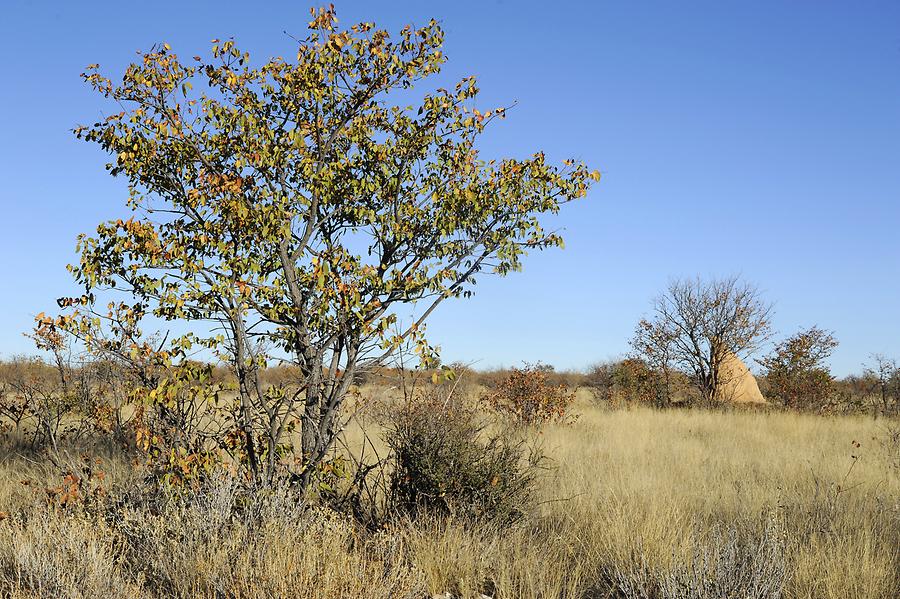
632, 496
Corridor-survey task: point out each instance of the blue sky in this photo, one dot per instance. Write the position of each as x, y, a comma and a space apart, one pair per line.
759, 138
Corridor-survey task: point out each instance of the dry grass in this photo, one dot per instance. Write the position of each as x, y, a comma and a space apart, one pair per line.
639, 503
647, 481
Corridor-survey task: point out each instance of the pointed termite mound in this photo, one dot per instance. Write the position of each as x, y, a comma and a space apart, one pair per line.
738, 383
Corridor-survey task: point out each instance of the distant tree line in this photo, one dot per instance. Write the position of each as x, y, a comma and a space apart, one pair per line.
681, 354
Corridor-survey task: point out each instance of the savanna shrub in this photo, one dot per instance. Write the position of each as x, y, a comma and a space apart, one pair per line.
447, 463
601, 382
725, 563
527, 396
633, 382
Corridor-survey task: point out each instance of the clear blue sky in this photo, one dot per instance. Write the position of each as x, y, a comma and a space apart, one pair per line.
760, 138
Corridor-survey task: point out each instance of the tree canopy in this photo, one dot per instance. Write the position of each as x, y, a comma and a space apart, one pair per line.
294, 205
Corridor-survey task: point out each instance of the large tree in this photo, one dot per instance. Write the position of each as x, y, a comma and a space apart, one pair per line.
296, 205
697, 326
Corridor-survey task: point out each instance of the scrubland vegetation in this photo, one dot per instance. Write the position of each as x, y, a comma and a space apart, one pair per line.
442, 493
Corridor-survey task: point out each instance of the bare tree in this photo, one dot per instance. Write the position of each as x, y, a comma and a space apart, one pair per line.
886, 373
697, 325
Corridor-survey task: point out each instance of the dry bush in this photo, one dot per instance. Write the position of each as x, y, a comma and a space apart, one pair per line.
446, 462
76, 398
601, 382
224, 543
218, 542
627, 382
494, 378
40, 397
632, 382
890, 444
528, 397
724, 563
49, 554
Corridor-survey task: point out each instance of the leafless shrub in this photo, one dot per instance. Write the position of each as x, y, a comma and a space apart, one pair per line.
886, 391
60, 555
819, 512
185, 547
726, 564
890, 444
38, 397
